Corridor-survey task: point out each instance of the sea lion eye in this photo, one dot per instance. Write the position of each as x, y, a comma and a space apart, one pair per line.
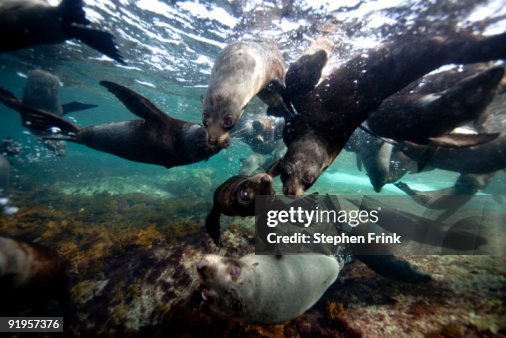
228, 122
244, 194
235, 272
308, 178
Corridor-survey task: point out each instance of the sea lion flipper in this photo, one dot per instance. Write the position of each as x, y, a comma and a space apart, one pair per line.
405, 188
96, 39
303, 75
136, 103
213, 225
395, 268
76, 106
37, 120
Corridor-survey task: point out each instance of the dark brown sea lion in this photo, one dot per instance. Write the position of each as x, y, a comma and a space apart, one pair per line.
236, 197
28, 273
41, 91
156, 139
241, 71
416, 117
449, 199
328, 114
483, 158
27, 23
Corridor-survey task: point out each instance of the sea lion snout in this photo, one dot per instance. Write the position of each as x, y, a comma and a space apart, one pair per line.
293, 190
265, 179
206, 267
221, 141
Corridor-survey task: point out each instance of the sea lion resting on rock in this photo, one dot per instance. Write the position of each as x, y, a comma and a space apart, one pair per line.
41, 91
156, 139
27, 23
328, 114
241, 71
265, 289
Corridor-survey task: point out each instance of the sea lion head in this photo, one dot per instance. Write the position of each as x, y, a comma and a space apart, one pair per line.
227, 285
305, 159
221, 113
236, 197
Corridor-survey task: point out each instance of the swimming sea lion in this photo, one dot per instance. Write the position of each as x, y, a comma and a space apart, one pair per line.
41, 91
416, 117
241, 71
265, 289
483, 158
328, 114
449, 199
28, 272
236, 197
27, 23
374, 154
156, 139
261, 134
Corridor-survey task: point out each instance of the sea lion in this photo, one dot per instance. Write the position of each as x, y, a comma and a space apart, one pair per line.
374, 154
156, 139
27, 23
328, 114
28, 272
261, 134
449, 199
483, 158
265, 289
422, 229
416, 117
236, 197
241, 71
41, 91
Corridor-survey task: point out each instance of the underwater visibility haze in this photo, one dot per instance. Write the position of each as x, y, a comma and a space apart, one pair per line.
122, 242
